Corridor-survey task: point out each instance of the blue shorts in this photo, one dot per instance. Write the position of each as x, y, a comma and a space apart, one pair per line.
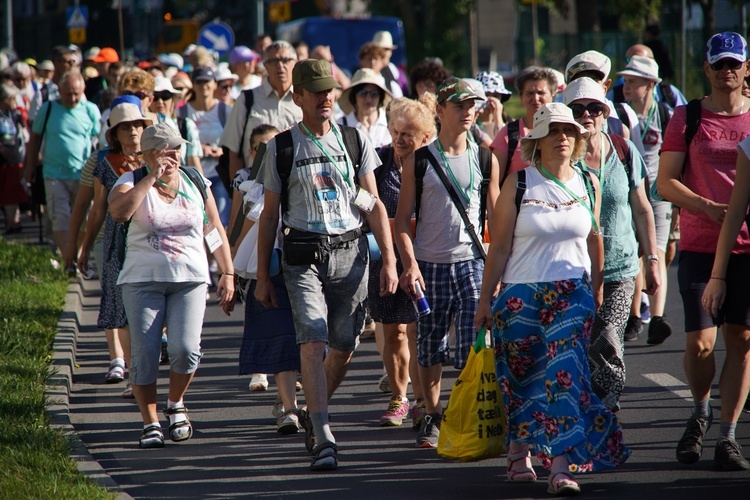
329, 299
452, 291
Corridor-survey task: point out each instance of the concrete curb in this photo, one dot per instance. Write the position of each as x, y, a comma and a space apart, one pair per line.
60, 385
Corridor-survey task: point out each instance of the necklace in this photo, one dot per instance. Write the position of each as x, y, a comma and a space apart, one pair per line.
728, 112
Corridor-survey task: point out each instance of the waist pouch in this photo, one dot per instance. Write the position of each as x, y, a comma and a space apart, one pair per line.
303, 249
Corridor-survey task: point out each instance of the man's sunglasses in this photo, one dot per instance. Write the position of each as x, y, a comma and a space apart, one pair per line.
728, 62
594, 109
225, 87
138, 93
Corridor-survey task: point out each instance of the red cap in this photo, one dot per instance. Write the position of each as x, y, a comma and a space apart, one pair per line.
107, 54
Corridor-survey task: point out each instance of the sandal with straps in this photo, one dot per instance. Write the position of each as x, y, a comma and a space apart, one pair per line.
306, 423
325, 457
116, 373
568, 489
174, 436
152, 437
523, 473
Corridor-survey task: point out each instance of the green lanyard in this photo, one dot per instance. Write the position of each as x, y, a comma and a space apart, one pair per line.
465, 193
344, 174
185, 195
648, 120
554, 179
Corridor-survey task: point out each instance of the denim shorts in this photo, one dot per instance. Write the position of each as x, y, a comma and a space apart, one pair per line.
452, 291
329, 299
152, 305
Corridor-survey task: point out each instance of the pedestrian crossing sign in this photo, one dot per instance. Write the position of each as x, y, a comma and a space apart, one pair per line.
77, 17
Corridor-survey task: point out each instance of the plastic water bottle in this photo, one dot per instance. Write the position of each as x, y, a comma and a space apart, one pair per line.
419, 300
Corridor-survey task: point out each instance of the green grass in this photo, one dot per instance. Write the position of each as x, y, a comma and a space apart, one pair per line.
34, 458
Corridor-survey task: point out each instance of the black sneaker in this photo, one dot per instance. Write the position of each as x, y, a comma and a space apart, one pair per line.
659, 330
429, 432
690, 447
633, 328
728, 456
746, 408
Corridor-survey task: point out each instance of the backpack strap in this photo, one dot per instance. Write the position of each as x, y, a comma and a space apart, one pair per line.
353, 147
589, 183
520, 189
249, 101
197, 179
665, 113
46, 116
514, 132
622, 115
614, 125
222, 113
667, 94
623, 152
284, 159
618, 93
182, 111
692, 120
182, 127
420, 167
386, 155
485, 164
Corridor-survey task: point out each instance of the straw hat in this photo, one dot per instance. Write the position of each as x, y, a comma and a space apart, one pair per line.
364, 76
124, 113
554, 112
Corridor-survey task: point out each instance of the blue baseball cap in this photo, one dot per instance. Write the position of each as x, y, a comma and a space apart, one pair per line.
726, 45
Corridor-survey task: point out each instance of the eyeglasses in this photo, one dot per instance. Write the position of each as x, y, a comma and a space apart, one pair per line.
279, 60
728, 62
138, 93
225, 87
164, 95
129, 125
371, 93
594, 109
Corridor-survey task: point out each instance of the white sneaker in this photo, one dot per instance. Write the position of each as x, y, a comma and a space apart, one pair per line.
384, 384
259, 382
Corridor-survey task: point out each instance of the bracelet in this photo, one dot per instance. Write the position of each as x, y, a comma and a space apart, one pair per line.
717, 278
227, 274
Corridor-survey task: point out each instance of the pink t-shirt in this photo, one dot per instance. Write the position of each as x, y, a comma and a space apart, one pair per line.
710, 172
500, 143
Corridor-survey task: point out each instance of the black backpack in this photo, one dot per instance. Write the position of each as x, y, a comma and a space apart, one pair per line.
285, 157
514, 131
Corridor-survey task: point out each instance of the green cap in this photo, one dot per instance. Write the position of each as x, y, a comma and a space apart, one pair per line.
314, 75
455, 90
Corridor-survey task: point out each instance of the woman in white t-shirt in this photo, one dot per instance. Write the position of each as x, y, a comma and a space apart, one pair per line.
165, 274
210, 115
364, 104
547, 256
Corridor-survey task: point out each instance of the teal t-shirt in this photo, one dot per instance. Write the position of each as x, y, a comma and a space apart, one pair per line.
67, 138
616, 218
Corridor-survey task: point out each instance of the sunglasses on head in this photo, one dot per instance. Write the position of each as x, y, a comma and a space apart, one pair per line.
138, 93
729, 62
594, 109
163, 96
371, 93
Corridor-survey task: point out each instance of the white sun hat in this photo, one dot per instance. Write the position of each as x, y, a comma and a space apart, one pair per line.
363, 76
585, 88
554, 112
644, 67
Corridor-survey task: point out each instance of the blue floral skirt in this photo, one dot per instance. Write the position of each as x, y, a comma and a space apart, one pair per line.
542, 335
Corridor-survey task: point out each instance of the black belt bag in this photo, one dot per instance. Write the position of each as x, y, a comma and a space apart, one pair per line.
303, 249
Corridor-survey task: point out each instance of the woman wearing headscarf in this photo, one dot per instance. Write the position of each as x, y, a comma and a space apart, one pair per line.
546, 256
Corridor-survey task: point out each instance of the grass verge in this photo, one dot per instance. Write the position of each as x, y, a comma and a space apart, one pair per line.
34, 458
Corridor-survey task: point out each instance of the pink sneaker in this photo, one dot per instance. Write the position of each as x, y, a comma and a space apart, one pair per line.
398, 409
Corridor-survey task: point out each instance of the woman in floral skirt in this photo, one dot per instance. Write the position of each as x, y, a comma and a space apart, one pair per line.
547, 250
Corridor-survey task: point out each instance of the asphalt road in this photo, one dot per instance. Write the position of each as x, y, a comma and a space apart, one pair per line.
236, 452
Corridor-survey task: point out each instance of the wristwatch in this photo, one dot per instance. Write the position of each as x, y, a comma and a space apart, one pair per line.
652, 257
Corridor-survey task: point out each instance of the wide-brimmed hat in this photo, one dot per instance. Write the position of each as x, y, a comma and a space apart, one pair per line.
553, 112
364, 76
314, 75
643, 67
493, 83
384, 39
224, 73
46, 65
455, 90
124, 112
162, 83
726, 45
585, 88
590, 60
160, 135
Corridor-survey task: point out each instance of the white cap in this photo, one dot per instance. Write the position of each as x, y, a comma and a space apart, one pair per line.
590, 60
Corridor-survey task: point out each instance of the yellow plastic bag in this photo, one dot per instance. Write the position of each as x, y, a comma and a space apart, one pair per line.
474, 422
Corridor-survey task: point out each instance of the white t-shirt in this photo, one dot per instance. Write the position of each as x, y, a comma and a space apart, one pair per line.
320, 199
165, 240
378, 133
210, 129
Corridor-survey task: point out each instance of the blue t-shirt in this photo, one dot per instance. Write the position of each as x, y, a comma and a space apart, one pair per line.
616, 217
67, 138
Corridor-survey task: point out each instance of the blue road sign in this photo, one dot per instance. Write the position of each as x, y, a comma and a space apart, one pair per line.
217, 36
77, 17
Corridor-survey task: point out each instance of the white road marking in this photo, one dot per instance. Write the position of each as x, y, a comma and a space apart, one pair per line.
674, 385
